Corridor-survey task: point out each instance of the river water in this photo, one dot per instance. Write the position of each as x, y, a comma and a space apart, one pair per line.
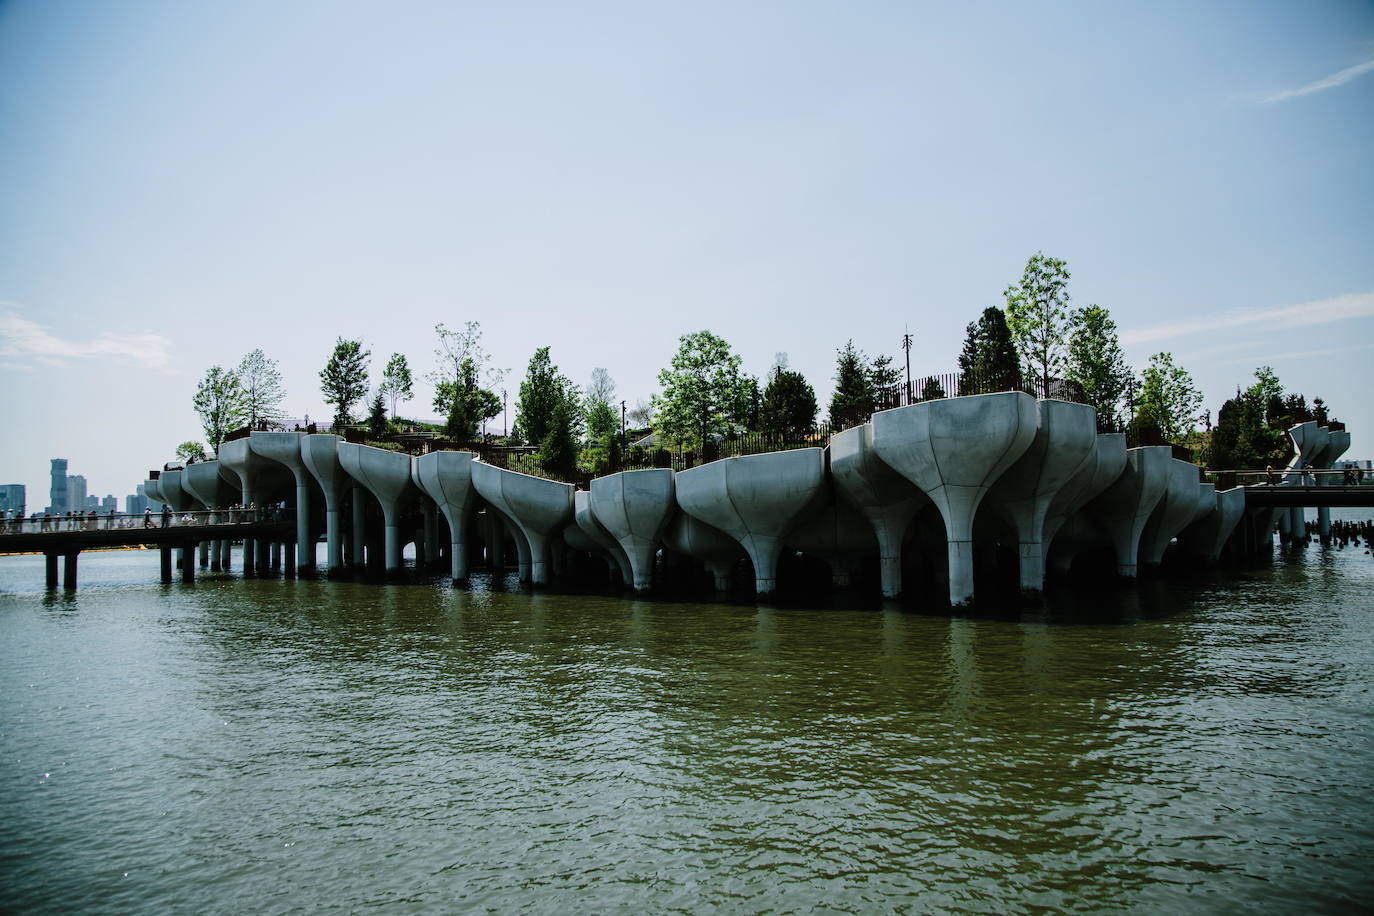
284, 746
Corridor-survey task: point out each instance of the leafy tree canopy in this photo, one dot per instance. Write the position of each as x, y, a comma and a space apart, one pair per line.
1096, 363
543, 389
704, 395
262, 387
343, 380
1036, 307
220, 403
1169, 402
190, 451
789, 404
396, 381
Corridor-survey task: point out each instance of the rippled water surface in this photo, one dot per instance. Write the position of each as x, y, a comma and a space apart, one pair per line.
277, 746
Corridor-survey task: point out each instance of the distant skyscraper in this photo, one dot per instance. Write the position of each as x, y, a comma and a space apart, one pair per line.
58, 494
109, 504
12, 498
76, 493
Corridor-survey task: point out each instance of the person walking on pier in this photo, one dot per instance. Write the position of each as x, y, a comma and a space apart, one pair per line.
147, 516
166, 515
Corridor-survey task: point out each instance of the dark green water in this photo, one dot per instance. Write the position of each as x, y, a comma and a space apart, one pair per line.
270, 746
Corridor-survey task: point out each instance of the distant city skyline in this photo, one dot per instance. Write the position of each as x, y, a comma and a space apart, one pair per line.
185, 183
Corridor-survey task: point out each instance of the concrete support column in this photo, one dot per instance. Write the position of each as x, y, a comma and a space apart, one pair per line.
188, 564
166, 562
359, 517
261, 557
290, 558
50, 562
216, 553
276, 554
495, 536
69, 570
305, 547
204, 554
226, 554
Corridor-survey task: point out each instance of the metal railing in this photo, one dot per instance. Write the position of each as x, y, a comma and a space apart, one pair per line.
1284, 477
120, 521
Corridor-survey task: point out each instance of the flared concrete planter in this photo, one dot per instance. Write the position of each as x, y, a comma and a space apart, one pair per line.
173, 493
248, 466
835, 532
1310, 444
1338, 443
693, 537
634, 507
538, 507
886, 499
285, 449
592, 532
756, 499
1206, 502
213, 487
954, 450
1124, 508
153, 490
1104, 466
320, 455
1174, 512
1205, 538
1064, 444
387, 476
446, 478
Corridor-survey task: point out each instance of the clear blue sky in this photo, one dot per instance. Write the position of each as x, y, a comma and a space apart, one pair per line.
181, 182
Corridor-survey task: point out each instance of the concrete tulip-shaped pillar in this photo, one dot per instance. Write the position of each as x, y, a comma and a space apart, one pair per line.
1207, 535
212, 488
538, 507
756, 499
446, 478
634, 507
175, 495
285, 449
1310, 443
1338, 442
836, 532
1064, 443
320, 455
1124, 508
1175, 511
954, 450
882, 496
248, 467
386, 475
693, 537
153, 490
592, 531
1104, 466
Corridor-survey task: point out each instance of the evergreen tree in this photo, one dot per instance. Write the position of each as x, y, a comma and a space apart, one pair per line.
1036, 315
262, 387
789, 405
542, 391
396, 380
376, 417
219, 402
1096, 363
989, 361
343, 380
932, 390
558, 450
852, 401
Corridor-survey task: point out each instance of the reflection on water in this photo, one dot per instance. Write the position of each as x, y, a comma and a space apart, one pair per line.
279, 745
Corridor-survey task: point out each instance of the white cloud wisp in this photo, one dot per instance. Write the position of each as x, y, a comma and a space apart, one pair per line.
23, 341
1320, 311
1330, 82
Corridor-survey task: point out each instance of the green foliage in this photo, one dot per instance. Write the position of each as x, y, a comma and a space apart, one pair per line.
190, 451
1096, 363
343, 380
858, 384
465, 404
396, 381
1252, 428
932, 390
603, 443
262, 387
1169, 402
988, 361
1036, 315
376, 417
543, 390
704, 394
220, 403
558, 449
789, 404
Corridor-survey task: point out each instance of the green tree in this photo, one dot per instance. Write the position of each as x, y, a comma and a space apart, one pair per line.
377, 426
1036, 315
1169, 401
989, 362
396, 381
543, 389
190, 451
343, 380
219, 402
1096, 363
851, 403
465, 403
789, 404
464, 365
932, 390
558, 450
703, 391
262, 387
603, 445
